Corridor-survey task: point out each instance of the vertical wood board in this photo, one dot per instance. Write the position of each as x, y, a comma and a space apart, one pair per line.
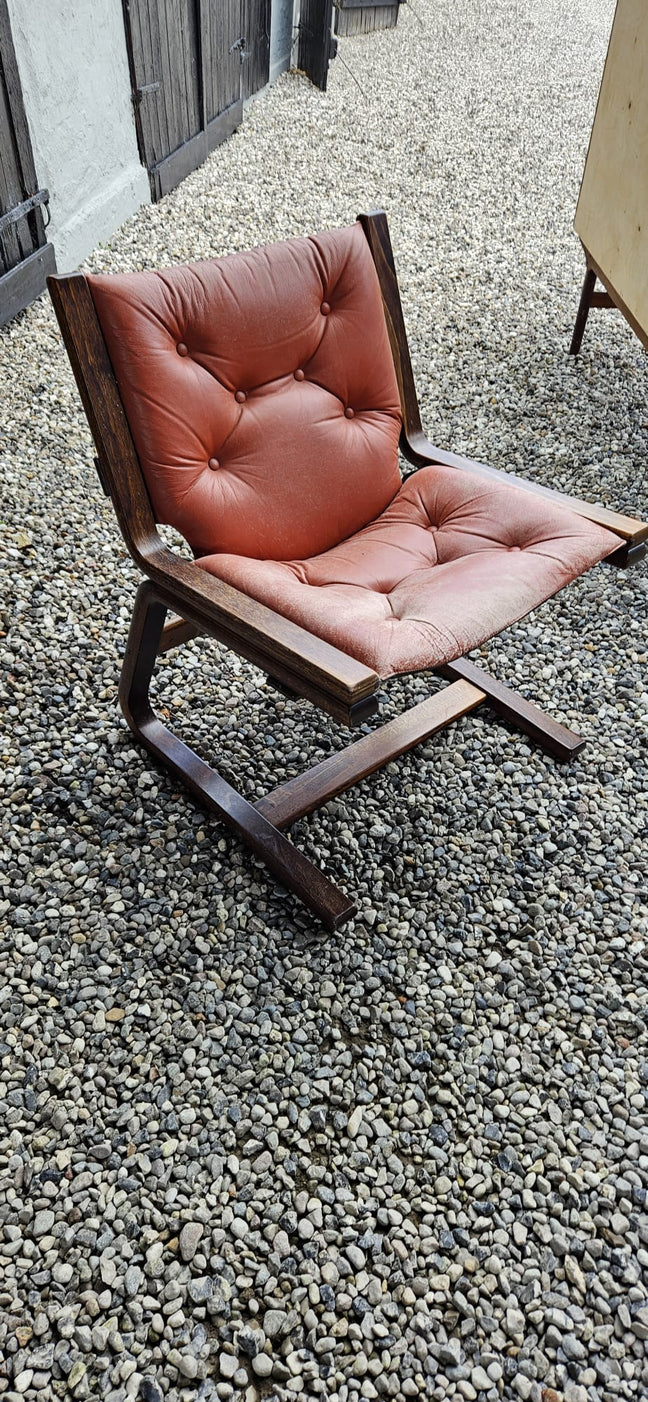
256, 68
191, 63
612, 212
314, 49
25, 255
223, 28
17, 171
364, 19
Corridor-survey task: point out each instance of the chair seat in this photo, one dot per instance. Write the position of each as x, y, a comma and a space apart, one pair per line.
452, 560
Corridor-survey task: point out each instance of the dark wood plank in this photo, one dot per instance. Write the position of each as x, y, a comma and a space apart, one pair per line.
188, 40
340, 771
256, 68
175, 633
169, 172
203, 41
169, 74
133, 46
304, 664
143, 46
17, 171
26, 281
331, 905
360, 17
292, 868
186, 76
314, 46
562, 743
153, 31
12, 250
227, 31
377, 234
10, 78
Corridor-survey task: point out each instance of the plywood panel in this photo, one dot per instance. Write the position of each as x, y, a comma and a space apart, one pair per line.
612, 212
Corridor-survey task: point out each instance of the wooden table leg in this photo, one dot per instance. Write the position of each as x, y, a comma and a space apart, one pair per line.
583, 311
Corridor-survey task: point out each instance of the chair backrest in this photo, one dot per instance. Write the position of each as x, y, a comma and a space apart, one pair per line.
261, 393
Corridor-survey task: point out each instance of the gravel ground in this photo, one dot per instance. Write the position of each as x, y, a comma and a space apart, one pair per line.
240, 1159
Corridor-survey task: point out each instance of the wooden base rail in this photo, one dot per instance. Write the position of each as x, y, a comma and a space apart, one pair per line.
340, 771
259, 824
560, 742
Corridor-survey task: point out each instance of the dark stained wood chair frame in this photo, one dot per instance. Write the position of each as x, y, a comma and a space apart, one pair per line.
298, 662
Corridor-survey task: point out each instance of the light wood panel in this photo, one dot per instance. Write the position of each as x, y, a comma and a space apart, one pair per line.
612, 213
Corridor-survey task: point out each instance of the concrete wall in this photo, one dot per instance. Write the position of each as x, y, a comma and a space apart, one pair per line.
281, 36
74, 71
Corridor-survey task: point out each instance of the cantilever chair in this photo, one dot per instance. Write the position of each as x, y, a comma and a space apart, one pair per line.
256, 403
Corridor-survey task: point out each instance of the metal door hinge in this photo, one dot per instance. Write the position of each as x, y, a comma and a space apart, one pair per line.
145, 90
27, 207
240, 47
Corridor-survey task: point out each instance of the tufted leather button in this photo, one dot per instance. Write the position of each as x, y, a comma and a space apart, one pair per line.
182, 348
213, 463
514, 547
240, 396
349, 413
325, 308
231, 320
299, 374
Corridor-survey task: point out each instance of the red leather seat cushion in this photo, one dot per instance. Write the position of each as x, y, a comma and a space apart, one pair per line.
453, 560
261, 393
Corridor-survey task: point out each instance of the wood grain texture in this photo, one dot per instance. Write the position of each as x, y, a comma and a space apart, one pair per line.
25, 281
561, 742
314, 46
256, 67
359, 17
612, 211
17, 171
340, 771
191, 64
289, 865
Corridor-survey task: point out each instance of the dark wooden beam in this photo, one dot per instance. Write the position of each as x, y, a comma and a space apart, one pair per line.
340, 771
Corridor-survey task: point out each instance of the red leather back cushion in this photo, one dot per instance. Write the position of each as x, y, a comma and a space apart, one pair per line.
261, 393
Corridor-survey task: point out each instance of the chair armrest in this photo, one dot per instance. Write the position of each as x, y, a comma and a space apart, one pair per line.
306, 664
418, 450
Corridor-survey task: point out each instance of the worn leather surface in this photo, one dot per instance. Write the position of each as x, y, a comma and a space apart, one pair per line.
453, 560
261, 393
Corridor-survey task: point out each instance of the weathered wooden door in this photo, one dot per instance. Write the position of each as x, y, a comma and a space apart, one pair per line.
25, 255
192, 63
316, 43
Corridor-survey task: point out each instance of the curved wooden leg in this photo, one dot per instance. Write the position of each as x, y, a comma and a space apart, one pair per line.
292, 868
